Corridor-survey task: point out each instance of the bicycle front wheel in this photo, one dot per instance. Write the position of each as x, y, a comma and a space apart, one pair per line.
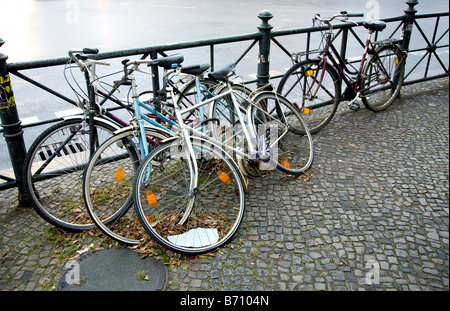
108, 185
184, 214
382, 78
53, 172
315, 89
281, 132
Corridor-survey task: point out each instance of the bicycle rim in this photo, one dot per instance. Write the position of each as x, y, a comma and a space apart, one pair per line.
185, 221
316, 96
279, 125
383, 77
108, 185
54, 170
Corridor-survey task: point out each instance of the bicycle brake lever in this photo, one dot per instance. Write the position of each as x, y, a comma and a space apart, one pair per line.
136, 68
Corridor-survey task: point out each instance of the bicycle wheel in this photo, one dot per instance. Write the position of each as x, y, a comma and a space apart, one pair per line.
314, 89
282, 134
184, 220
108, 183
53, 171
382, 77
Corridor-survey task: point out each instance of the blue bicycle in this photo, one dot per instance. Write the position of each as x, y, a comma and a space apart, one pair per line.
108, 179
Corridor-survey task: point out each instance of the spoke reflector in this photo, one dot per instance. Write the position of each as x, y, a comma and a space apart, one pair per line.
285, 164
151, 199
224, 177
119, 175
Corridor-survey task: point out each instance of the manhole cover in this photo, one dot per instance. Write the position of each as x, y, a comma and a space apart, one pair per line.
113, 270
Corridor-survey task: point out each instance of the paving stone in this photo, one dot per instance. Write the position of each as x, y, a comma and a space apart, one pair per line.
377, 199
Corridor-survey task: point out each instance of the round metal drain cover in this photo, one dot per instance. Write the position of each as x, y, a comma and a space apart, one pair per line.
113, 270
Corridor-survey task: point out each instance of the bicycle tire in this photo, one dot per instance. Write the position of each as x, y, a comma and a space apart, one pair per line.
299, 84
385, 66
213, 211
53, 168
108, 182
292, 147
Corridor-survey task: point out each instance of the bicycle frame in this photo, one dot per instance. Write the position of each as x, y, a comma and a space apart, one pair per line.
340, 65
330, 53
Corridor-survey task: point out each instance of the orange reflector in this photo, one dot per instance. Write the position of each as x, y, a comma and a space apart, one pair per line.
309, 73
224, 177
149, 219
285, 164
306, 110
396, 61
119, 175
151, 199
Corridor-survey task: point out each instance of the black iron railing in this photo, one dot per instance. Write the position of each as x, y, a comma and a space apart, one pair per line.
402, 27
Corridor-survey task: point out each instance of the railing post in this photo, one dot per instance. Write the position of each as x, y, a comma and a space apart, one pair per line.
11, 124
264, 48
410, 14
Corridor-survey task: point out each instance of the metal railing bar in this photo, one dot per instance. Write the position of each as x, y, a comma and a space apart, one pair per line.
282, 47
396, 29
422, 33
40, 85
8, 179
429, 15
246, 51
440, 61
417, 64
357, 38
130, 52
436, 29
443, 75
443, 35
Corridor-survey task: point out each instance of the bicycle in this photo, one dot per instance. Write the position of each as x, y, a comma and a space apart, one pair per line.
108, 178
56, 160
315, 83
189, 192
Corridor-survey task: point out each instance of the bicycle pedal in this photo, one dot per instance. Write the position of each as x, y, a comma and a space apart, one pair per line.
354, 106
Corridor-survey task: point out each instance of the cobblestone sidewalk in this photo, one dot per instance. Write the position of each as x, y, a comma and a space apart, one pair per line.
373, 215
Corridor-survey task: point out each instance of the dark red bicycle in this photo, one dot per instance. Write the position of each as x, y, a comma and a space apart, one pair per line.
314, 84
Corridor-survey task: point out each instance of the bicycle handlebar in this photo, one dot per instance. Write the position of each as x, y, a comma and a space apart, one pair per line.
341, 14
75, 55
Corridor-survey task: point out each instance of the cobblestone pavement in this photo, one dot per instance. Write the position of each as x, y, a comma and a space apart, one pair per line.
373, 215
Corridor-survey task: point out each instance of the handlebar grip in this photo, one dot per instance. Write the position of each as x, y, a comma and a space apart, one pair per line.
90, 51
355, 14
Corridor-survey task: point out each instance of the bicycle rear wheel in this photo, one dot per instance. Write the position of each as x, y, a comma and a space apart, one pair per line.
382, 78
278, 124
179, 216
314, 89
108, 183
54, 168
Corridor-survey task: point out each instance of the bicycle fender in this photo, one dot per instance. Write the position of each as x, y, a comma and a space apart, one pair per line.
80, 117
146, 127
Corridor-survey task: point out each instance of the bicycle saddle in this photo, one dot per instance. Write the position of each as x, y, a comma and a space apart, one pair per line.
374, 25
167, 62
195, 69
222, 73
